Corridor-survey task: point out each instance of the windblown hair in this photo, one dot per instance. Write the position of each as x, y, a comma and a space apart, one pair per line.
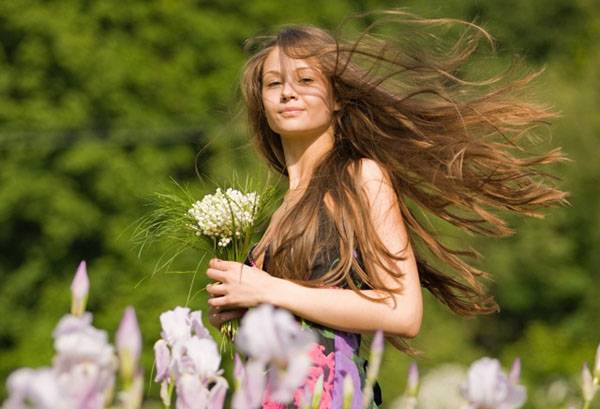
451, 147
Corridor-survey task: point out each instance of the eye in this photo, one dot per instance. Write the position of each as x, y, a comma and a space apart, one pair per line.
273, 83
306, 80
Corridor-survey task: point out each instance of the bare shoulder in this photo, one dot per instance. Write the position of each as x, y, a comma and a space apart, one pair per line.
384, 205
369, 170
375, 180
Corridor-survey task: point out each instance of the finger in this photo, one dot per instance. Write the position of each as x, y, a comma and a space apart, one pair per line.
220, 302
217, 289
217, 275
221, 264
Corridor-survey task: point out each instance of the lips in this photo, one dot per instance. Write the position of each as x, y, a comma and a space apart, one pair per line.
290, 112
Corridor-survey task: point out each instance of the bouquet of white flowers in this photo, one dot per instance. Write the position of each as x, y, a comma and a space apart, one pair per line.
225, 217
222, 224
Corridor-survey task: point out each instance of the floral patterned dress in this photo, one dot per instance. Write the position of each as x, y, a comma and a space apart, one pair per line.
334, 355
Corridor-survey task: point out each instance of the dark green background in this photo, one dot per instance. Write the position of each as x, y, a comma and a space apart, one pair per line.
101, 102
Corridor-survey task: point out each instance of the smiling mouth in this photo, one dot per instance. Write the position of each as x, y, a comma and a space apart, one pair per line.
292, 112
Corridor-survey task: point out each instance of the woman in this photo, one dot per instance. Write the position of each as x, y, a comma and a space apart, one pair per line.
366, 132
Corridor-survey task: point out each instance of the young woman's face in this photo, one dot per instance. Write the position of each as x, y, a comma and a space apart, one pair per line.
297, 98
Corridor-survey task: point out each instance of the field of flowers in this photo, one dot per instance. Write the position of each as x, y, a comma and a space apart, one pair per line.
87, 372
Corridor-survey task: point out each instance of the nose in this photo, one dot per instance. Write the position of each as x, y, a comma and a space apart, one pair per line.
287, 91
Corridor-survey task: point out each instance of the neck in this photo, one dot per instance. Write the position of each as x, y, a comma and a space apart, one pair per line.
302, 154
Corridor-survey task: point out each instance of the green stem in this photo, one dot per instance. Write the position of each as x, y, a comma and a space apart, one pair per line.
171, 385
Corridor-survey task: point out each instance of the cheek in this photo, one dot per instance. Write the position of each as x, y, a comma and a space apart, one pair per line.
325, 117
269, 111
270, 101
321, 111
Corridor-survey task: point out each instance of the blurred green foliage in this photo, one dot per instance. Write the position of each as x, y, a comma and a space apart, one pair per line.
101, 104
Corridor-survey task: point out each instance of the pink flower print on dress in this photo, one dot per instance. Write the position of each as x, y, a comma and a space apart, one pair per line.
267, 403
320, 363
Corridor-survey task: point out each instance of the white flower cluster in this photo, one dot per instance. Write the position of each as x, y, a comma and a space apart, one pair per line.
224, 215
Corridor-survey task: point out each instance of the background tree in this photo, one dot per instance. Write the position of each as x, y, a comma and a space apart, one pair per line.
102, 104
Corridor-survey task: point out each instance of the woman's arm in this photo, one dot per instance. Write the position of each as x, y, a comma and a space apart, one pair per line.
346, 310
338, 308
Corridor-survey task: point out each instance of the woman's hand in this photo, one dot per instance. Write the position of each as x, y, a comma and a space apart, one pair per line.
216, 317
240, 286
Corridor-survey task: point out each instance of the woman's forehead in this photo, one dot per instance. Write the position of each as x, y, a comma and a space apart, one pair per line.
278, 62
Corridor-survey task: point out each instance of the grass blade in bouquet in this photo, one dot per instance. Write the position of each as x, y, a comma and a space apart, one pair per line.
223, 224
167, 225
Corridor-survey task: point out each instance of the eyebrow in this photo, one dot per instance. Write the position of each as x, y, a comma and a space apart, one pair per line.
297, 69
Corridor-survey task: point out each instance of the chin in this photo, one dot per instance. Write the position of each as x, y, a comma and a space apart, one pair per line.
295, 133
300, 131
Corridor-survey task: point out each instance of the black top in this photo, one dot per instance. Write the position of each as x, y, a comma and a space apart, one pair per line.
328, 255
324, 262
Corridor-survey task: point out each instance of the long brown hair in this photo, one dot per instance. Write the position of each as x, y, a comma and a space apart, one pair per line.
451, 147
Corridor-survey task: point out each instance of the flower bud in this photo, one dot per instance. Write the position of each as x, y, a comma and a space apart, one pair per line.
378, 343
317, 392
129, 344
597, 365
132, 397
515, 371
413, 380
80, 288
348, 392
373, 367
375, 356
238, 371
162, 360
587, 383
